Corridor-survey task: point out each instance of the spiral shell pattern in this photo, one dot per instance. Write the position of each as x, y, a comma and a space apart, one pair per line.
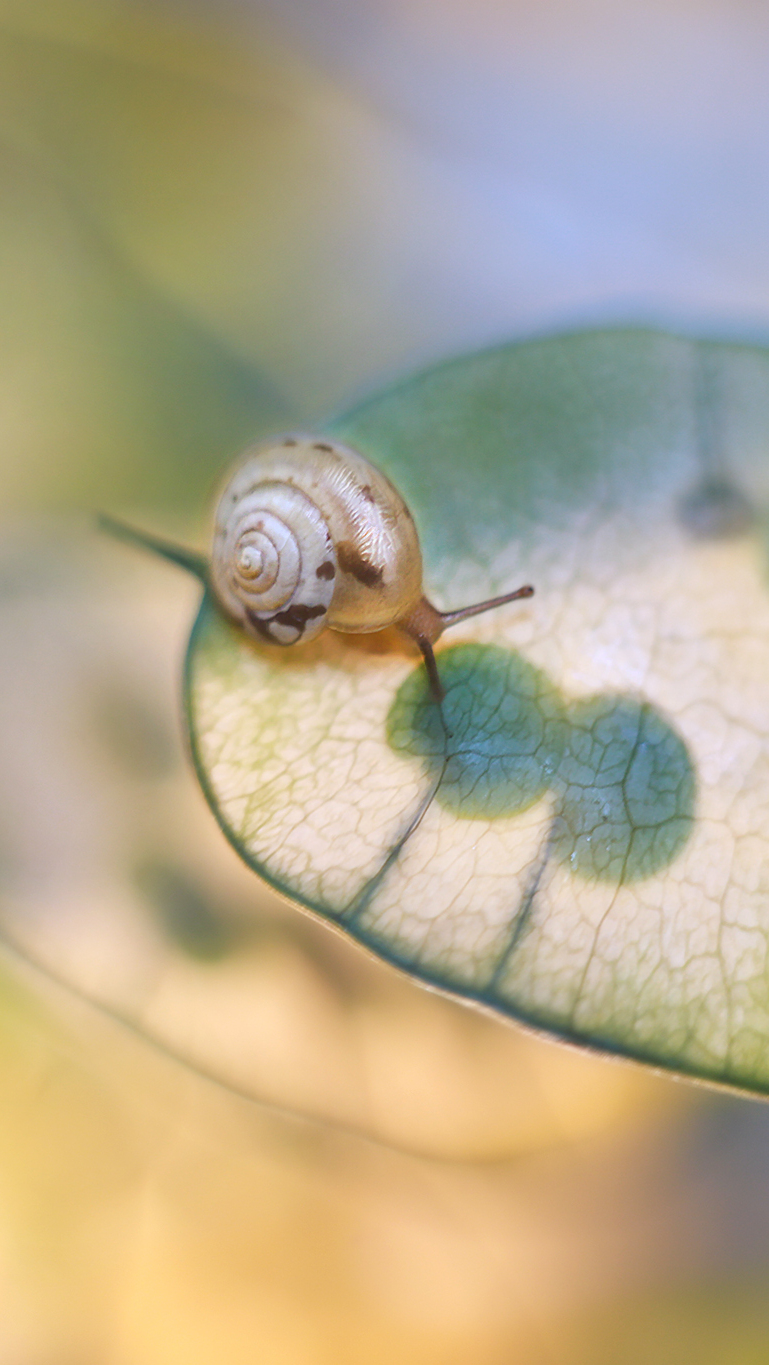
273, 565
310, 534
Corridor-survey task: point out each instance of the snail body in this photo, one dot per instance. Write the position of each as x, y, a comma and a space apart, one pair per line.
310, 534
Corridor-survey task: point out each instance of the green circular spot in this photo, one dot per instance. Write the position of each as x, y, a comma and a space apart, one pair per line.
498, 744
627, 790
622, 776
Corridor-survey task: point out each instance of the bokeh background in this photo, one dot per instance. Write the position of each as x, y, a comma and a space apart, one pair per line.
219, 220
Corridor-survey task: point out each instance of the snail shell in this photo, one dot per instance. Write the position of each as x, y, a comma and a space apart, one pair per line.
309, 534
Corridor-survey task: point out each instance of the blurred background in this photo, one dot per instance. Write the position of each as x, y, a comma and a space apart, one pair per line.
216, 221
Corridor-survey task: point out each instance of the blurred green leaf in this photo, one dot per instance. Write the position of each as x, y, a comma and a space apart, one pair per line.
199, 239
114, 389
582, 839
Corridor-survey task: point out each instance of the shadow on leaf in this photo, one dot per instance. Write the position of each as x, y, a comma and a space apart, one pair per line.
621, 777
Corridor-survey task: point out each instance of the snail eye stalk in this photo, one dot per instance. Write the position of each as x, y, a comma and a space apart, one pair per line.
425, 625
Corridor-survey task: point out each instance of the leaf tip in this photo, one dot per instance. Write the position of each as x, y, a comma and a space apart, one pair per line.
191, 560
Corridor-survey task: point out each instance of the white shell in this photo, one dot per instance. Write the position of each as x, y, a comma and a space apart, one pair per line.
309, 534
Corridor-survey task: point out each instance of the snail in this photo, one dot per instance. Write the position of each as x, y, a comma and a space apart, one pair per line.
309, 535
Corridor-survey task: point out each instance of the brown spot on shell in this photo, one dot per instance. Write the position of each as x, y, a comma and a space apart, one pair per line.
352, 562
326, 570
289, 441
295, 617
368, 492
319, 445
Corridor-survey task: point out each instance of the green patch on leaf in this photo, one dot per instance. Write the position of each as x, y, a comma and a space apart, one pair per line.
496, 740
622, 777
626, 791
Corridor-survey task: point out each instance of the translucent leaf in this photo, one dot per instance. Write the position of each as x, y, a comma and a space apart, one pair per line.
580, 839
